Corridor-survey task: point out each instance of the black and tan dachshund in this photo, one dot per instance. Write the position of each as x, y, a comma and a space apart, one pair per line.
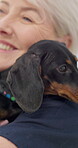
47, 68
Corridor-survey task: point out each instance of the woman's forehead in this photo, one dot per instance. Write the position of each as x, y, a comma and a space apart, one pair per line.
32, 3
37, 3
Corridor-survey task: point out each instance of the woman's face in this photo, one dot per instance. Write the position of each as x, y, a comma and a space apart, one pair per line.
21, 25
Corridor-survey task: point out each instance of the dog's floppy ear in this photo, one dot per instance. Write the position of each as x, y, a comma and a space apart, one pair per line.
25, 82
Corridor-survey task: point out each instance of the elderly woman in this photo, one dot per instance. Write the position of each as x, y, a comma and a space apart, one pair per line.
23, 23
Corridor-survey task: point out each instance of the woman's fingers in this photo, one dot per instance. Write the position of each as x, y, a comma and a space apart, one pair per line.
4, 122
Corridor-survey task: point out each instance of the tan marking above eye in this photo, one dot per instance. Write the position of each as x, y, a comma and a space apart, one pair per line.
68, 62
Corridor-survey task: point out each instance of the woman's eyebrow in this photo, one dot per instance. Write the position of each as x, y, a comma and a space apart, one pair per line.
1, 1
30, 9
33, 10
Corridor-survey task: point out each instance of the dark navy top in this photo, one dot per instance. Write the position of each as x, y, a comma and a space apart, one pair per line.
54, 125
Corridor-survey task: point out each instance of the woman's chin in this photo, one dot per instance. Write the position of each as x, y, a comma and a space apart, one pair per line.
5, 65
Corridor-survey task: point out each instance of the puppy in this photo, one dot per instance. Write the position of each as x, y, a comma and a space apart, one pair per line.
47, 68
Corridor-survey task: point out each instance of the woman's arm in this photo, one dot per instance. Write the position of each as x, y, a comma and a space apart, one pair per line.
5, 143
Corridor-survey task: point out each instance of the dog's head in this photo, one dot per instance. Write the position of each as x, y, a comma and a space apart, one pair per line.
47, 68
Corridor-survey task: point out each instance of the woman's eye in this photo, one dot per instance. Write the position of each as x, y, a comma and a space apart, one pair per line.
1, 11
27, 19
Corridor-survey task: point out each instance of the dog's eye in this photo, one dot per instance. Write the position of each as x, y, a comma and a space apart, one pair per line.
62, 68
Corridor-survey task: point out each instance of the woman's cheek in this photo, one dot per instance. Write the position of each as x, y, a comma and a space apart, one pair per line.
29, 37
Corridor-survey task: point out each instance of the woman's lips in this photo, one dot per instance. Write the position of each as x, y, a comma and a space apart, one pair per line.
5, 46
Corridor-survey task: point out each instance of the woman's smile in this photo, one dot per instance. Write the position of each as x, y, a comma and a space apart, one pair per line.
6, 47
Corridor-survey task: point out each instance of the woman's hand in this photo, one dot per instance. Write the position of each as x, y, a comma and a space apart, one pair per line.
4, 122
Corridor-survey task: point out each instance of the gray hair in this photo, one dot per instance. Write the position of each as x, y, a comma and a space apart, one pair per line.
64, 15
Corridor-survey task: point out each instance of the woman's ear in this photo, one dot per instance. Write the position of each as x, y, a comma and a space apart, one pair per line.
67, 39
25, 82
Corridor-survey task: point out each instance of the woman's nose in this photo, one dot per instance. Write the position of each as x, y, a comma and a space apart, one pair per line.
6, 26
